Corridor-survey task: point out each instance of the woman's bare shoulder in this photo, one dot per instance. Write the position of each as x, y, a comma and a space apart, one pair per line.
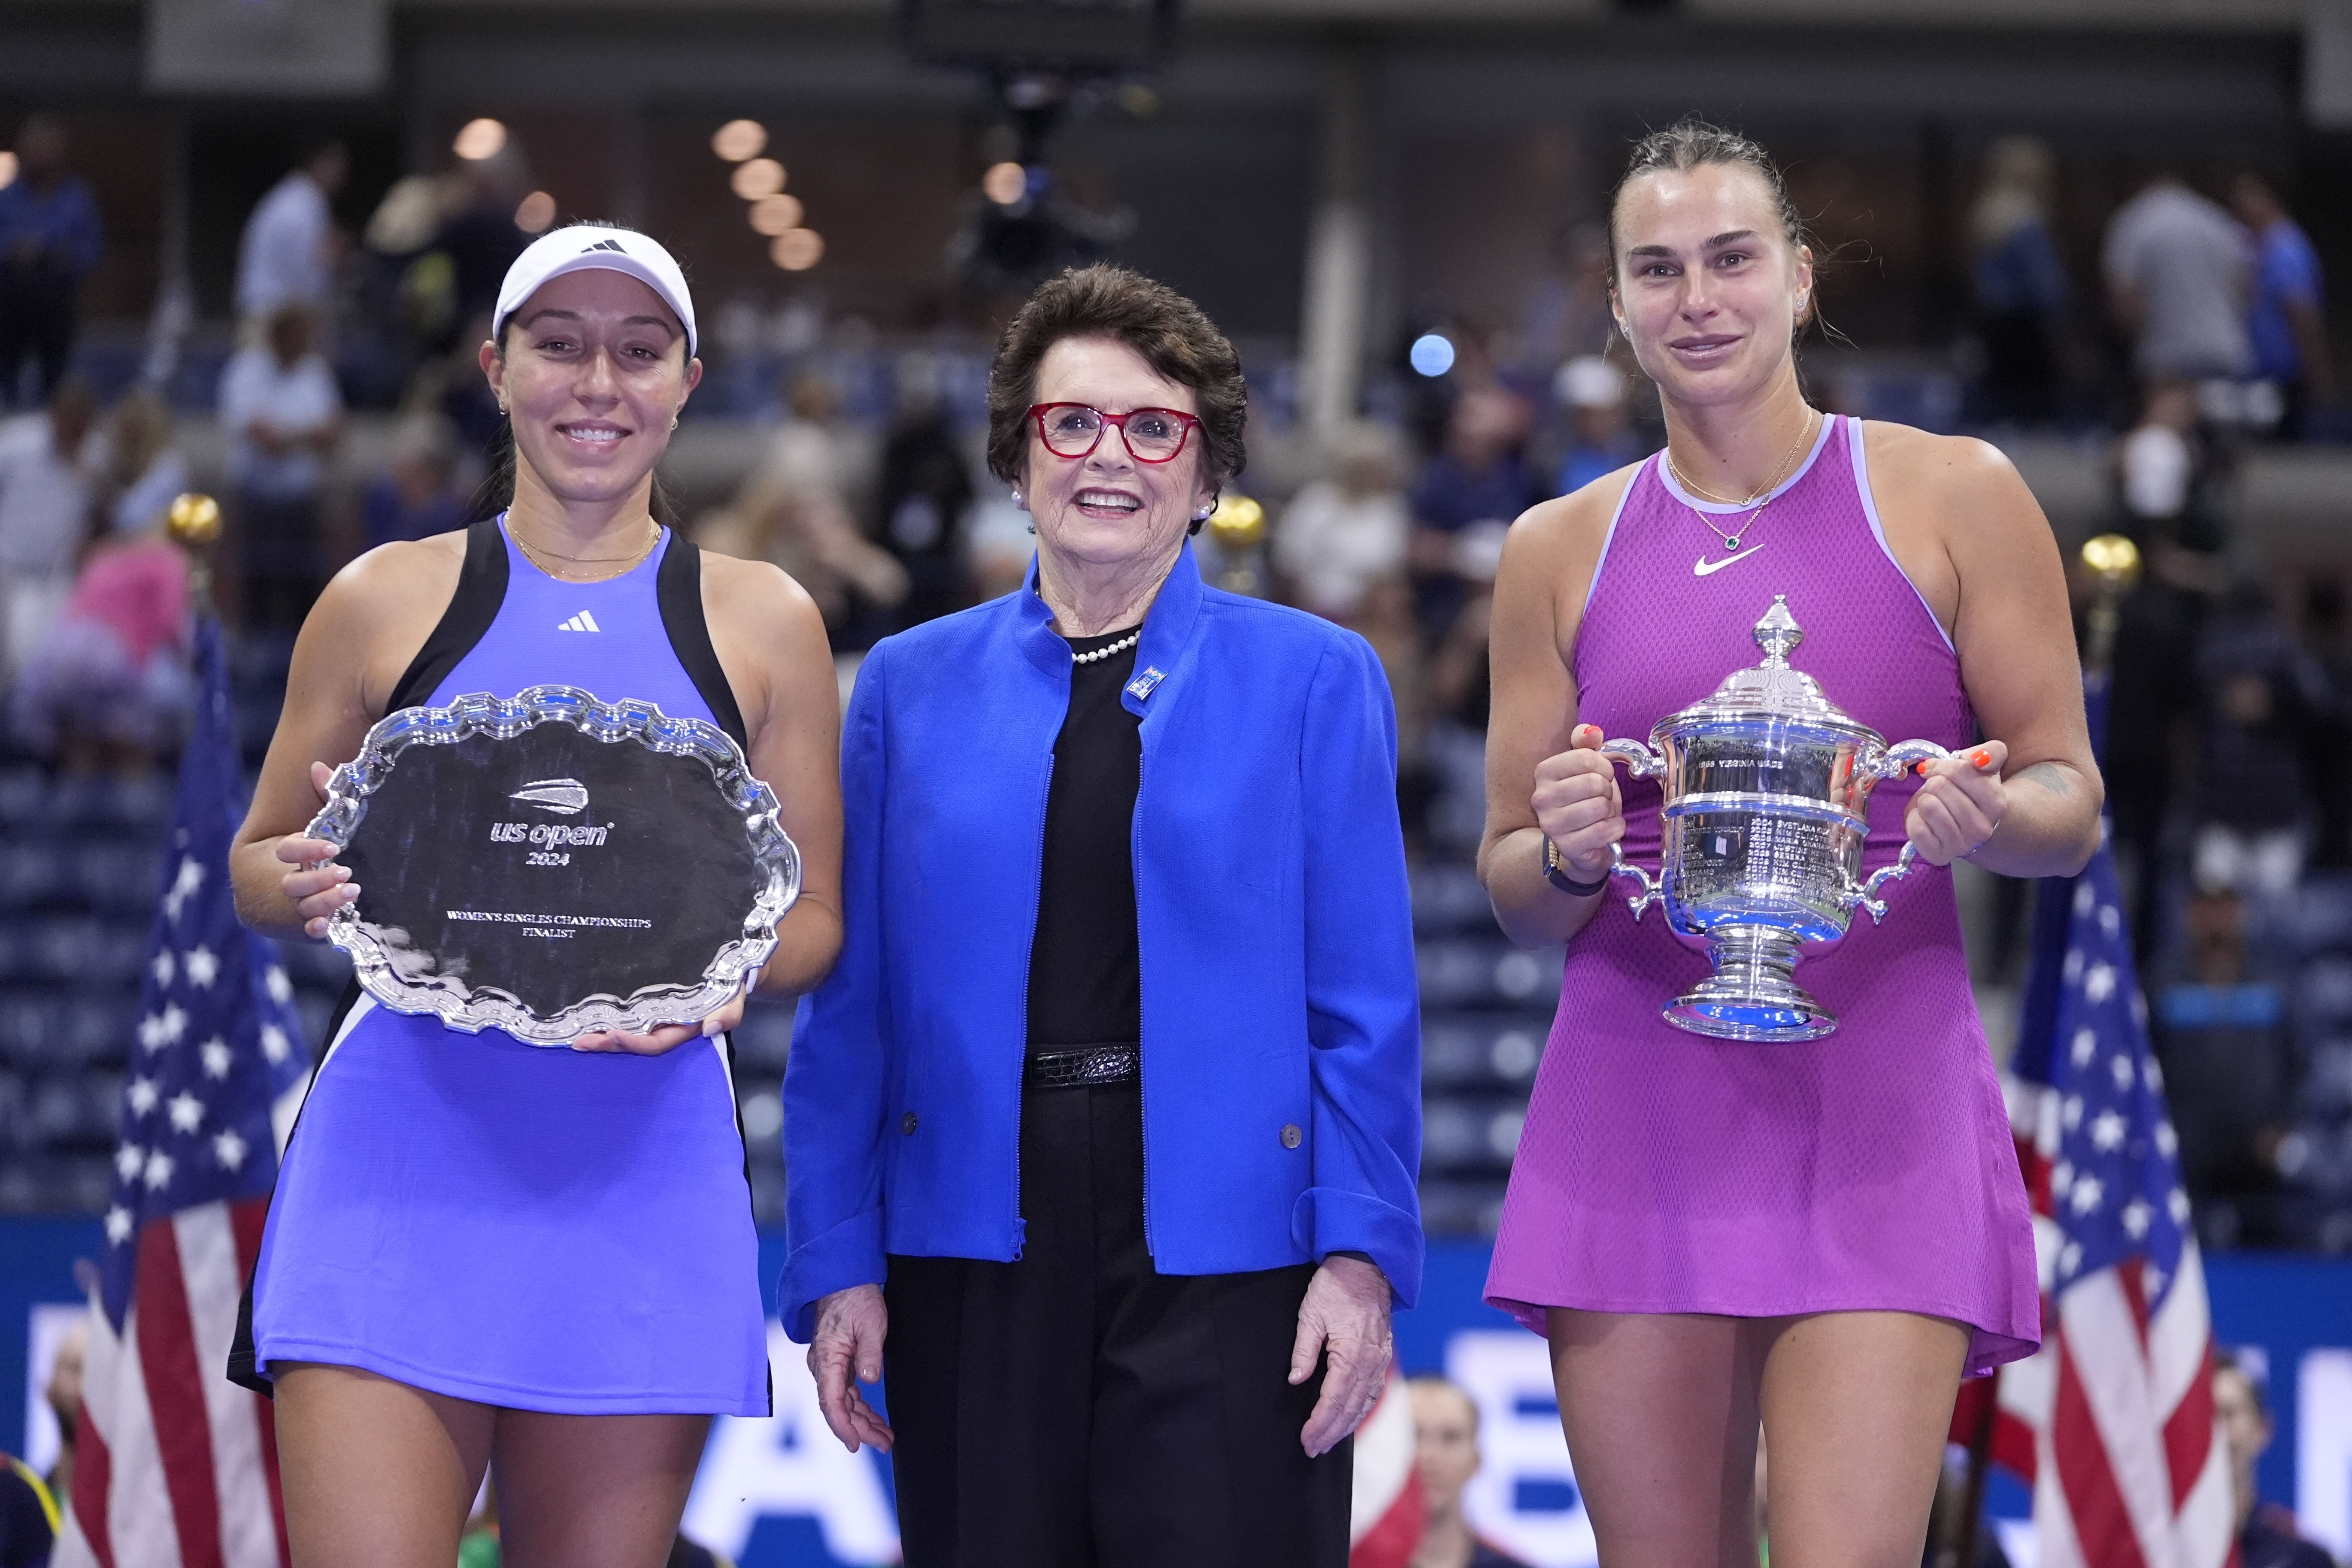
394, 585
736, 589
1956, 471
1559, 541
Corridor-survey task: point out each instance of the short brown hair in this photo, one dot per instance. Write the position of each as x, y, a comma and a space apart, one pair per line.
1171, 333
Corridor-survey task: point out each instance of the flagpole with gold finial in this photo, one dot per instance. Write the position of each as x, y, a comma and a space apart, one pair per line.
194, 522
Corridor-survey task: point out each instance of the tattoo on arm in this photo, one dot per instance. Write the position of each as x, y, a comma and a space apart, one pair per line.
2049, 775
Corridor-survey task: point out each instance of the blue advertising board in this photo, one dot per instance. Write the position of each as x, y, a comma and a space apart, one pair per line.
780, 1492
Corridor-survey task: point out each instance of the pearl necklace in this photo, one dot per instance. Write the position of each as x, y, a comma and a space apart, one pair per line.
1121, 646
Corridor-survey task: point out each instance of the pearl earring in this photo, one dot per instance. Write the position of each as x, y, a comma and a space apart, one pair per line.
1019, 502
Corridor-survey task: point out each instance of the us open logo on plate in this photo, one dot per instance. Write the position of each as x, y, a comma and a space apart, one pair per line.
567, 797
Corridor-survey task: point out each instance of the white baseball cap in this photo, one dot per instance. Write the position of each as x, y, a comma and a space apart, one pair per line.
1589, 381
585, 246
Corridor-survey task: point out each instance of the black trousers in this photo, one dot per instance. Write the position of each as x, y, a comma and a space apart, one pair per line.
37, 322
1077, 1408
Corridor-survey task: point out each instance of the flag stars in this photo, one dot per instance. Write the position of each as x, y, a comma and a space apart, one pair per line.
2099, 983
2072, 971
183, 886
2111, 920
2086, 897
2070, 1257
2154, 1074
2107, 1131
2062, 1177
2179, 1203
203, 968
159, 1169
2168, 1142
229, 1149
2071, 1114
2086, 1046
143, 1096
161, 967
188, 1113
2136, 1217
127, 1159
216, 1057
2153, 1281
157, 1030
2087, 1193
273, 1044
118, 1225
281, 989
2121, 1066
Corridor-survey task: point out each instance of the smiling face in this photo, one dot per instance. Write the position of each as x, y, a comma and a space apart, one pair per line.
1106, 509
1708, 289
594, 372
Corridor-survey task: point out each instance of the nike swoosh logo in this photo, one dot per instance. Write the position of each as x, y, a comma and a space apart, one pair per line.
1705, 566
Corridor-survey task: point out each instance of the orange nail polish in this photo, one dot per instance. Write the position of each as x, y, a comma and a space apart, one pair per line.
1982, 759
1921, 768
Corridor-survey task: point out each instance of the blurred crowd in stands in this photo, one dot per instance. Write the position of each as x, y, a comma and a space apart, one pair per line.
349, 410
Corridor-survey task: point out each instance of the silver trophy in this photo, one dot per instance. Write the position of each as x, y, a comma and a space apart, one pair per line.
1768, 787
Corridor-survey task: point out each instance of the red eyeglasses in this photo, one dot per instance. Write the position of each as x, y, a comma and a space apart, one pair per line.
1075, 429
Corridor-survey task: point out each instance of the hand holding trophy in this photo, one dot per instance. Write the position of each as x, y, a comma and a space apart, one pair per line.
1768, 787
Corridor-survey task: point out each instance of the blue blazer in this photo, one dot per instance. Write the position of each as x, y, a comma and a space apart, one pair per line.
1281, 1019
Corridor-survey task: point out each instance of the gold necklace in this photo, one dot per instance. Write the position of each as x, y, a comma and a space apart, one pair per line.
628, 564
1731, 541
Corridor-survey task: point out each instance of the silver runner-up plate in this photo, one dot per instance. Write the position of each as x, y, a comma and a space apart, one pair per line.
551, 865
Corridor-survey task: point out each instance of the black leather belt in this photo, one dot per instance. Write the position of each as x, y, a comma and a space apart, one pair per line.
1085, 1066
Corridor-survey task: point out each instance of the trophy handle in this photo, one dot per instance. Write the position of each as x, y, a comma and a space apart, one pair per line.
1866, 895
1638, 759
1904, 756
1651, 892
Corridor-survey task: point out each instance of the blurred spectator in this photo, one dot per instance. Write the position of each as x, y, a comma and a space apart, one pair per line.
2327, 638
1567, 312
794, 511
2220, 1036
2266, 1537
64, 1397
2019, 282
1600, 438
2165, 480
1000, 546
420, 492
279, 404
2259, 695
107, 687
45, 514
48, 242
1464, 502
1446, 1427
28, 1516
2284, 319
289, 250
924, 495
479, 236
140, 470
1342, 535
2177, 270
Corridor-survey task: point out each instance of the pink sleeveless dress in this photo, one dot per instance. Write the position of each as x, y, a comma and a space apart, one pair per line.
1872, 1169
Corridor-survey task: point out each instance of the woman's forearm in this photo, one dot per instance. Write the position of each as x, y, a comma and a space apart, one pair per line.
2049, 824
1531, 910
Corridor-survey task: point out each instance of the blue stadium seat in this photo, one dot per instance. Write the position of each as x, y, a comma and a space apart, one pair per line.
24, 798
1447, 897
1481, 1051
116, 874
764, 1038
32, 872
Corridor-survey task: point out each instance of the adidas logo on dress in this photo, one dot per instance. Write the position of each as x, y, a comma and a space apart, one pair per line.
583, 622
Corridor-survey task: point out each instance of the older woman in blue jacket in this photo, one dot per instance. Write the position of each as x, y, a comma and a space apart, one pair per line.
1102, 1136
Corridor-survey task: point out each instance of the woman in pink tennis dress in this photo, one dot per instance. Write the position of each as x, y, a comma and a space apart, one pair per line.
1820, 1238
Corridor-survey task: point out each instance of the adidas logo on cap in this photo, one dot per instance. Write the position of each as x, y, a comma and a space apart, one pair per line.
583, 622
606, 245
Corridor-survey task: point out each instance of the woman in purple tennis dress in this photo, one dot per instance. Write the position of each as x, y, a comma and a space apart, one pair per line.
1819, 1237
482, 1251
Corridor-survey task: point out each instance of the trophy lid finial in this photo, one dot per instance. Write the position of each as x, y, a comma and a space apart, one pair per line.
1778, 632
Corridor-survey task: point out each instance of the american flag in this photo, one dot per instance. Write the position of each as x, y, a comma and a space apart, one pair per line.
175, 1467
2113, 1420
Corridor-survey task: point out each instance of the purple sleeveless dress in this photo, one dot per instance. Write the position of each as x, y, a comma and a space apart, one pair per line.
1872, 1169
526, 1225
